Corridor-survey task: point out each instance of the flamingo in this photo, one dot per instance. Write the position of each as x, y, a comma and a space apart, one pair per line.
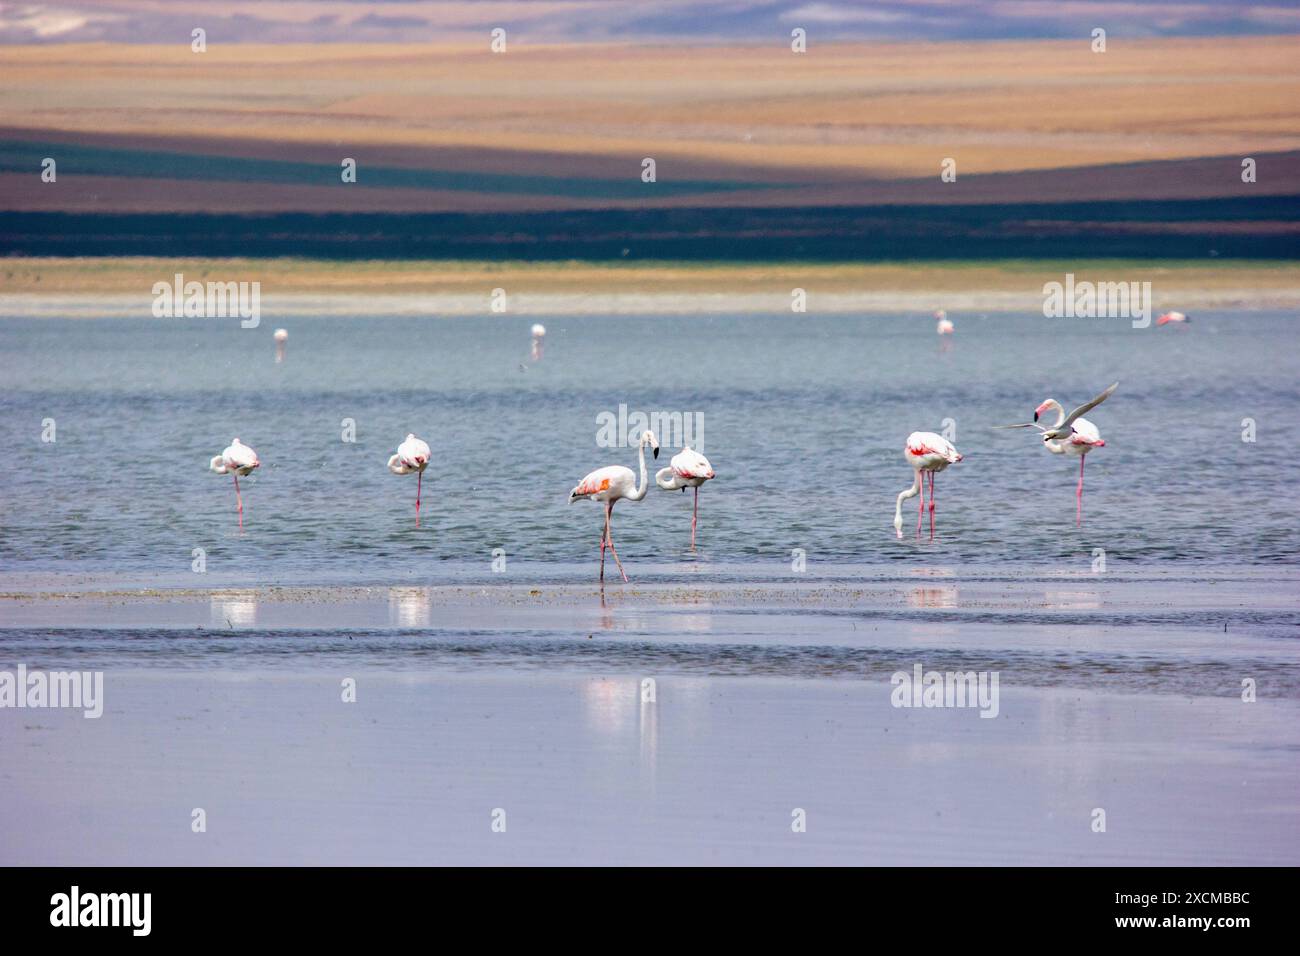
930, 453
539, 335
611, 484
281, 336
944, 326
689, 469
238, 459
1177, 317
1071, 435
412, 456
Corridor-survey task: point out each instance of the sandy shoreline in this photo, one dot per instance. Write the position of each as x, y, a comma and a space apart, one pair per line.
101, 288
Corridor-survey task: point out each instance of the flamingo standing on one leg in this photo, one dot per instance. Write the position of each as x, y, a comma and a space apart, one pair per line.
539, 341
412, 456
610, 485
929, 453
238, 459
1071, 435
281, 337
689, 469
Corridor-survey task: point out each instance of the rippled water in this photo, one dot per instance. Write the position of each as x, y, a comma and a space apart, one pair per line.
804, 418
525, 688
434, 650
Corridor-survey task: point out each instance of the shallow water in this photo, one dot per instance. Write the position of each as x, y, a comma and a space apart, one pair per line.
1122, 683
1153, 634
588, 771
804, 418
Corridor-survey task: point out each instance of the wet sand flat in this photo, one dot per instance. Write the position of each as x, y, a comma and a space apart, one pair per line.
671, 723
586, 772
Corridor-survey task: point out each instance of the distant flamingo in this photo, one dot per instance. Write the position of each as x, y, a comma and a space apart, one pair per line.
412, 456
539, 336
1176, 317
238, 459
929, 453
944, 326
281, 337
611, 484
689, 469
1071, 435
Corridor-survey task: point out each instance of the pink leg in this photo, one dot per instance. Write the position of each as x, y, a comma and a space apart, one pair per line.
419, 478
694, 515
604, 536
1078, 495
931, 506
610, 538
239, 503
920, 506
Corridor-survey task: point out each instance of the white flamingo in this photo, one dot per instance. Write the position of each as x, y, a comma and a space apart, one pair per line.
944, 324
1175, 317
688, 469
539, 341
238, 459
1071, 435
929, 453
612, 484
281, 337
412, 456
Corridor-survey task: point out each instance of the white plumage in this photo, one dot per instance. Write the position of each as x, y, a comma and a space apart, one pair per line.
1070, 435
614, 483
929, 453
412, 456
688, 469
237, 458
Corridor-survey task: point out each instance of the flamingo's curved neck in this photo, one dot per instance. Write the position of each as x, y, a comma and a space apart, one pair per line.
643, 485
903, 496
1055, 446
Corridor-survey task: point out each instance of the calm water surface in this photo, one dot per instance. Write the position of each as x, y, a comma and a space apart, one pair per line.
804, 418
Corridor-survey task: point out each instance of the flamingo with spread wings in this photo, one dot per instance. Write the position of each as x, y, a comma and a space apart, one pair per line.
611, 484
688, 469
1071, 435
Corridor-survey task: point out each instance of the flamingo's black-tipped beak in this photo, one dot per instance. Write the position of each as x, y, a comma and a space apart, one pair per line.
656, 451
1035, 416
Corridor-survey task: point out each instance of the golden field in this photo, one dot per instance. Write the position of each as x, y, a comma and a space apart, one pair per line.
844, 123
665, 286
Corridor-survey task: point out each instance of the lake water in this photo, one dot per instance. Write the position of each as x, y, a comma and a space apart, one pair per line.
803, 417
1122, 684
